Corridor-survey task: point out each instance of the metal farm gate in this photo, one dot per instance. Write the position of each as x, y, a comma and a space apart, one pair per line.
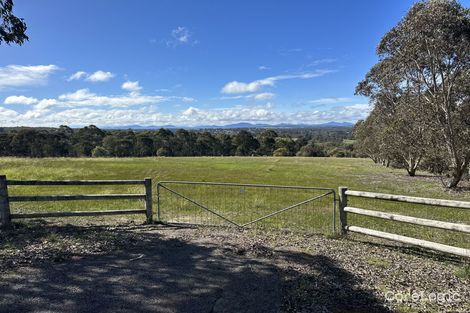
297, 208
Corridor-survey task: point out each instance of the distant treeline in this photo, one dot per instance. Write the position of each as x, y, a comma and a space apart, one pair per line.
93, 141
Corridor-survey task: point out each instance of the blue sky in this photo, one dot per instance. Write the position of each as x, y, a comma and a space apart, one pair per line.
191, 63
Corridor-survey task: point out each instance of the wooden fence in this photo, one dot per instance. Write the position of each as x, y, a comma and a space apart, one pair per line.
344, 209
6, 216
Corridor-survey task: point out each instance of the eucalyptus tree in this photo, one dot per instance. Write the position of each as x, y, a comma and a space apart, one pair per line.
267, 142
226, 144
185, 143
369, 139
407, 134
86, 139
426, 57
245, 143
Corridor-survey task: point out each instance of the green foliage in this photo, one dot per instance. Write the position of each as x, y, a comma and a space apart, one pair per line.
281, 152
83, 142
12, 28
120, 144
420, 92
246, 144
286, 143
86, 139
99, 152
163, 151
311, 150
267, 141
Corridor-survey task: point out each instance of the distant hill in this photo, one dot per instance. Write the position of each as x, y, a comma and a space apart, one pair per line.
236, 126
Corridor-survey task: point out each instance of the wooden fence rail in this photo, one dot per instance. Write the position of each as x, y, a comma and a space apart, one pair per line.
344, 209
418, 200
73, 182
6, 216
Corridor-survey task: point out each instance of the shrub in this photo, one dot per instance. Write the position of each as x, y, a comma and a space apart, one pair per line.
281, 152
310, 150
163, 152
99, 152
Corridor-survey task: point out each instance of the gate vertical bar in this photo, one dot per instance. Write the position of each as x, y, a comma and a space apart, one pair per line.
158, 203
4, 203
343, 202
148, 200
334, 212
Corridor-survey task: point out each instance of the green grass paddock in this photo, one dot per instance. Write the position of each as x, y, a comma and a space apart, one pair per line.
358, 174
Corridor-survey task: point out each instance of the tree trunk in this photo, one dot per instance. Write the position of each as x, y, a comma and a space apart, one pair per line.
411, 171
412, 165
457, 174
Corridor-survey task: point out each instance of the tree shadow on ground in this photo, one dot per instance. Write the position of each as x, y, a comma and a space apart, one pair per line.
160, 274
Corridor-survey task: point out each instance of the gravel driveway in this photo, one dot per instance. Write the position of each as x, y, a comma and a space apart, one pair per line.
134, 268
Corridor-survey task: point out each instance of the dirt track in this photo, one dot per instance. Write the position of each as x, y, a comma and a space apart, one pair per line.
166, 269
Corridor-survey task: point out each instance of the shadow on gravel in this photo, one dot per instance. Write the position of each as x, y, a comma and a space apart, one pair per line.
153, 273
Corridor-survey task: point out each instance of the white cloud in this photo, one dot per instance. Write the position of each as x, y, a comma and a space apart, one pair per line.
131, 86
256, 96
232, 97
100, 76
81, 94
263, 68
20, 100
268, 114
77, 75
46, 104
181, 34
40, 110
45, 114
321, 61
191, 112
84, 98
264, 96
21, 75
188, 99
241, 87
8, 115
331, 100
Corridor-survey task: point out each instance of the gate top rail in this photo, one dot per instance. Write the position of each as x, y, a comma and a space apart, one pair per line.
74, 182
246, 185
419, 200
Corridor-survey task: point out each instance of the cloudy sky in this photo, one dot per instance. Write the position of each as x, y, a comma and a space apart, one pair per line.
113, 63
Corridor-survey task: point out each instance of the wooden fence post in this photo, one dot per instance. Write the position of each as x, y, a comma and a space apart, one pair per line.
4, 203
343, 202
158, 204
148, 200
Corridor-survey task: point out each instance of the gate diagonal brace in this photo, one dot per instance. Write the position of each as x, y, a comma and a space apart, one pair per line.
285, 209
249, 223
201, 206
